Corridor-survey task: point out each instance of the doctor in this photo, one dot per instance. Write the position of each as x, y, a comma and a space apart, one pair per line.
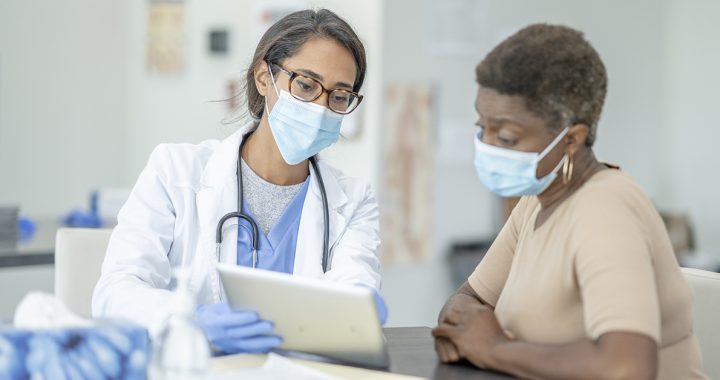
299, 215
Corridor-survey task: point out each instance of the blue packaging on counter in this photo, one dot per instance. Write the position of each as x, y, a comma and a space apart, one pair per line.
109, 350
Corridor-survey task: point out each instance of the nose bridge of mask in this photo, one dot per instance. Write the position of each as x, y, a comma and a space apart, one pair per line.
292, 110
503, 152
299, 105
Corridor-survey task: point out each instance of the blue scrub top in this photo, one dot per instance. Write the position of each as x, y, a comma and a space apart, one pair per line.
276, 251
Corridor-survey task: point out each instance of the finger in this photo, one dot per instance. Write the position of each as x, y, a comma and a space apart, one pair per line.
455, 316
452, 351
440, 349
220, 308
256, 344
249, 330
236, 319
445, 331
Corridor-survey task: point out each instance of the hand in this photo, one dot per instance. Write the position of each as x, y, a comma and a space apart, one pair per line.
454, 307
447, 351
475, 332
457, 306
381, 307
233, 331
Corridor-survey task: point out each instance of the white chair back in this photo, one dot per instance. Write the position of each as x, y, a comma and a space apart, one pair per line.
79, 253
706, 290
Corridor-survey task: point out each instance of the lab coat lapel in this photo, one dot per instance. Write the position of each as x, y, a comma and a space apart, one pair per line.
217, 197
308, 255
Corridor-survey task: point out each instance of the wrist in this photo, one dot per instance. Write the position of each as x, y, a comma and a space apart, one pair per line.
457, 298
498, 354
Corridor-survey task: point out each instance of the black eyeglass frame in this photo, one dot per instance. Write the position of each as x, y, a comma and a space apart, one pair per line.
293, 75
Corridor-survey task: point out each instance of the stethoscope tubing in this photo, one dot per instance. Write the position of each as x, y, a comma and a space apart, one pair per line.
253, 225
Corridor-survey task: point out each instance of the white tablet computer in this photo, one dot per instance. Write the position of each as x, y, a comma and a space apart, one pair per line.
312, 316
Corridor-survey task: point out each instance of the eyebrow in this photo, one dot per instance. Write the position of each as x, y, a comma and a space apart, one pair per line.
319, 77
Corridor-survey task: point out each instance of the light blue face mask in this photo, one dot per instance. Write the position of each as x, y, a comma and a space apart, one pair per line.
511, 173
301, 129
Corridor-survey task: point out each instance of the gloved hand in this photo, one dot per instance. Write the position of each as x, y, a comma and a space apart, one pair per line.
232, 331
380, 305
382, 309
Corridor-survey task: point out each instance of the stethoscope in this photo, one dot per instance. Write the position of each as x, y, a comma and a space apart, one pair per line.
255, 231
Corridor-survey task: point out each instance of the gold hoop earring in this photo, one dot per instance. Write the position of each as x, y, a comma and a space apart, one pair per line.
567, 172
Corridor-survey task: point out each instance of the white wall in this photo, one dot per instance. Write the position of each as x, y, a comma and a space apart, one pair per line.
62, 97
691, 163
180, 107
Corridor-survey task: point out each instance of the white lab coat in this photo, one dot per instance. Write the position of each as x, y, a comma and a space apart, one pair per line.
171, 217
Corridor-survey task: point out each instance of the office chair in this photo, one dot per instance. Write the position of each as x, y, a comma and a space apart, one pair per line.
79, 253
706, 289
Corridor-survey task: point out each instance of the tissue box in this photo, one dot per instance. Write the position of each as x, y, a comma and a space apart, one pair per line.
110, 350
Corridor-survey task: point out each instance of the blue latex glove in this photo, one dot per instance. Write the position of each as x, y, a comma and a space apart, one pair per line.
382, 309
77, 218
233, 331
26, 228
380, 305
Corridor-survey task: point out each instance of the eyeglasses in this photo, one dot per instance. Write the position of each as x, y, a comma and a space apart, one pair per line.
309, 89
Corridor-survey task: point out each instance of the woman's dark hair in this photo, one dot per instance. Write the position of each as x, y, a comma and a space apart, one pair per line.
285, 38
557, 72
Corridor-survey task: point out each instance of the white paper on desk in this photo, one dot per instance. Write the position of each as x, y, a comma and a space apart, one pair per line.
275, 367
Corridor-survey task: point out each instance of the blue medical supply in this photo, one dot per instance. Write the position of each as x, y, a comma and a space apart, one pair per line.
276, 251
111, 350
81, 219
26, 229
232, 331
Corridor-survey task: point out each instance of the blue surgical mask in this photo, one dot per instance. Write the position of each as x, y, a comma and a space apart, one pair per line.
511, 173
301, 129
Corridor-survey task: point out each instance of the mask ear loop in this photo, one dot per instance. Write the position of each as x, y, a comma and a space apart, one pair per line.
551, 147
272, 77
553, 144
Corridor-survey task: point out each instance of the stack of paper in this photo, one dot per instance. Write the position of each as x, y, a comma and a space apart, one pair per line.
273, 366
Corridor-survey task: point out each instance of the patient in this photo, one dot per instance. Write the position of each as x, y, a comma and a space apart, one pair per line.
582, 282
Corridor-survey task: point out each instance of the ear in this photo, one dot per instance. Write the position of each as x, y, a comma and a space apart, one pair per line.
576, 137
262, 78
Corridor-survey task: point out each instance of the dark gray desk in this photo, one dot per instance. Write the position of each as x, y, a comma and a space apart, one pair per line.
39, 251
412, 352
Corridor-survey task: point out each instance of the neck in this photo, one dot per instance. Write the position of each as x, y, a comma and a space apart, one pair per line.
585, 165
261, 153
